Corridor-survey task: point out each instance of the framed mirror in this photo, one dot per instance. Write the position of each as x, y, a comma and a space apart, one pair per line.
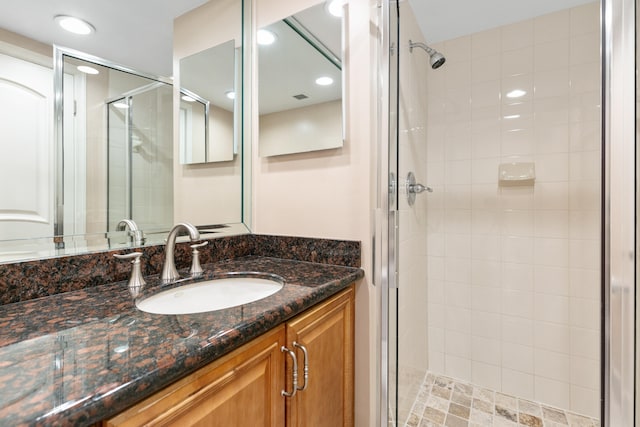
107, 111
300, 83
71, 195
209, 125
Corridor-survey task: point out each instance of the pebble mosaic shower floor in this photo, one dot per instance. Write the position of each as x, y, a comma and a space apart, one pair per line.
442, 401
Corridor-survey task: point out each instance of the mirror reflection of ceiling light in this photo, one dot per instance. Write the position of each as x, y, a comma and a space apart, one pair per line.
74, 25
324, 81
265, 37
335, 7
121, 105
230, 94
516, 93
187, 98
512, 116
87, 70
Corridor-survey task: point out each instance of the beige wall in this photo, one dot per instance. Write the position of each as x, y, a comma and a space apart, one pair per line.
327, 193
312, 128
38, 52
96, 91
207, 193
220, 133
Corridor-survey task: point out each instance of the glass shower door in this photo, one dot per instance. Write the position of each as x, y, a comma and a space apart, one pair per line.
407, 293
495, 289
410, 295
140, 135
392, 380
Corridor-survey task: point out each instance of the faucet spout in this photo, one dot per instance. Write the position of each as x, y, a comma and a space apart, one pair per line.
134, 231
169, 272
124, 223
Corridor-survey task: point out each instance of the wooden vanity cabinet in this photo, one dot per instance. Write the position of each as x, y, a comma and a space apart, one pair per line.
327, 333
244, 388
240, 389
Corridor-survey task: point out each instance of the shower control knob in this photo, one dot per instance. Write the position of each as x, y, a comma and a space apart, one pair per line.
414, 188
419, 188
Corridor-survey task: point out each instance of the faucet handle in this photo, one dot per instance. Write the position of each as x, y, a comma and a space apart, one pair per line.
196, 269
136, 281
135, 256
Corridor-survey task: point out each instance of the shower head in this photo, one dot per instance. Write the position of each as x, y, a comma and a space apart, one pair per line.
435, 58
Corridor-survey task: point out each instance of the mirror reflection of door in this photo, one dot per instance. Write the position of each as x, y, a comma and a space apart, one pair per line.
26, 152
208, 108
194, 114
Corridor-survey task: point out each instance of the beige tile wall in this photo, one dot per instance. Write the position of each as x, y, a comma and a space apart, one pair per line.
513, 272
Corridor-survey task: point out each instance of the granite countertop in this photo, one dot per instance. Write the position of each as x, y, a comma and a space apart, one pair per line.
78, 357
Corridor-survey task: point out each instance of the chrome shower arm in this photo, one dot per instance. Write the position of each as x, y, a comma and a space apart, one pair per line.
421, 45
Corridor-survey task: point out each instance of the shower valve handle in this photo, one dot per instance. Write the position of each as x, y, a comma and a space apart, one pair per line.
413, 188
419, 188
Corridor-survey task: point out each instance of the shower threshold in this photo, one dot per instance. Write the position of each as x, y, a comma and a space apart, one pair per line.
443, 401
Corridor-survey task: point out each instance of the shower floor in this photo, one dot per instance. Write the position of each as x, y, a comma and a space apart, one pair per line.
443, 401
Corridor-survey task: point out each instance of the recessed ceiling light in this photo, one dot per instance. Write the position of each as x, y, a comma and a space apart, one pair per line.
335, 7
324, 81
74, 25
265, 37
516, 93
121, 104
87, 70
230, 94
187, 98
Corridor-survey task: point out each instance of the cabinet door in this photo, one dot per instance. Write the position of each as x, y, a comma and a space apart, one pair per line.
326, 331
241, 389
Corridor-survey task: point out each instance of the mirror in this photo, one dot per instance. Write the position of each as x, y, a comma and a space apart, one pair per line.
194, 128
300, 87
118, 159
113, 113
208, 116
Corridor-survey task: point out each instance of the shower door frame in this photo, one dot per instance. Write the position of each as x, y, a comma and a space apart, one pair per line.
386, 204
618, 251
619, 230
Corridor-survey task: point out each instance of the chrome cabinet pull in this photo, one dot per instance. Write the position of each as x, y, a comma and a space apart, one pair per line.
306, 365
294, 383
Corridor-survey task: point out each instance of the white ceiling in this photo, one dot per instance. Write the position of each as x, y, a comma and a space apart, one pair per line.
289, 67
138, 33
135, 33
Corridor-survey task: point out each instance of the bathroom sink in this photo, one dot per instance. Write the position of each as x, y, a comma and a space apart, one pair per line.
211, 295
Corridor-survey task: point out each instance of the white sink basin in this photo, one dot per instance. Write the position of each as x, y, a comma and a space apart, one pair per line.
209, 295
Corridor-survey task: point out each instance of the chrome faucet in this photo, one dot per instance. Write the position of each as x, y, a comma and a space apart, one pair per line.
134, 231
169, 273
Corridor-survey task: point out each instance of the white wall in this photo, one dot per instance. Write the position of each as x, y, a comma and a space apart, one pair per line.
327, 193
514, 287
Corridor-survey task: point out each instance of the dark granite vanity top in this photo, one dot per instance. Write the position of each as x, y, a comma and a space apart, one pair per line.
78, 357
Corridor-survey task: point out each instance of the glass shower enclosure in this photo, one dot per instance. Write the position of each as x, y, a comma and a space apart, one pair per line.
494, 218
140, 147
